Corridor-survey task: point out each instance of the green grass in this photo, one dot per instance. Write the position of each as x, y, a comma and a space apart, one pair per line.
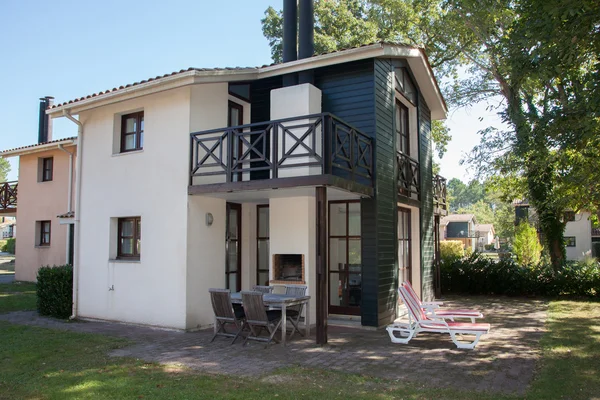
17, 296
48, 364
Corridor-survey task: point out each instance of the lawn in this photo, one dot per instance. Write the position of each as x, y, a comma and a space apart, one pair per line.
17, 296
49, 364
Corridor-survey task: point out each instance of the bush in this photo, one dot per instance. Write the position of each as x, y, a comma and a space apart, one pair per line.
9, 246
488, 247
451, 250
479, 275
55, 291
526, 245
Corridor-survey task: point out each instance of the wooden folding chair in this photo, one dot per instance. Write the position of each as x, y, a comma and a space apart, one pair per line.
293, 313
263, 289
257, 318
225, 314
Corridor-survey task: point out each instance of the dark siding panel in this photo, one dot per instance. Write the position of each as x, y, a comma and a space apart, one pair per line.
427, 238
386, 192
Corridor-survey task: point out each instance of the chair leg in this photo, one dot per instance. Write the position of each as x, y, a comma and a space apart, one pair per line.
406, 333
466, 345
251, 334
239, 332
295, 327
273, 331
220, 327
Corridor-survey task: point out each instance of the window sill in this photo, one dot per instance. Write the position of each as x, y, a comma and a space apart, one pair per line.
42, 246
125, 153
124, 261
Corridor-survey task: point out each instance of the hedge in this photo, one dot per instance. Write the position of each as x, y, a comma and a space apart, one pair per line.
451, 250
9, 246
478, 274
55, 291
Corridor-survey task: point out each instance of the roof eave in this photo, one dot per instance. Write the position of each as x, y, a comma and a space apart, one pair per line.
38, 148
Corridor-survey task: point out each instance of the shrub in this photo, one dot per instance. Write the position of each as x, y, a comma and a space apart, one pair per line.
451, 250
55, 291
526, 245
488, 247
479, 275
9, 246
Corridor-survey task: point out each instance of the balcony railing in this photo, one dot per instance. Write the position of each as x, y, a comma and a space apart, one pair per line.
308, 145
440, 193
595, 231
8, 195
409, 183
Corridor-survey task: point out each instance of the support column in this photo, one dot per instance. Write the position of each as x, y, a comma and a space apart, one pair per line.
321, 242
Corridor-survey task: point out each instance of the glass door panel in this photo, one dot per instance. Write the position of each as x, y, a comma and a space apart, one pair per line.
232, 247
262, 245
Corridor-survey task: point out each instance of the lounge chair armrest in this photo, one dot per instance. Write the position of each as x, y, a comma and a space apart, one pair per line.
428, 307
433, 303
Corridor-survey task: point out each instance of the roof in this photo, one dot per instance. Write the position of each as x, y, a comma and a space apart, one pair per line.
457, 218
32, 148
484, 228
416, 56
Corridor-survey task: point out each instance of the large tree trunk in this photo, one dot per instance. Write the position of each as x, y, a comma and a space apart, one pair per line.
552, 229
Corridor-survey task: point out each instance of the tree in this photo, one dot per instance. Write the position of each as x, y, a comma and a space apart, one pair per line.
484, 214
4, 169
526, 245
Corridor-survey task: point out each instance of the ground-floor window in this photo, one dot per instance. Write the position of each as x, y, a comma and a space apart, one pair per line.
262, 244
345, 265
404, 244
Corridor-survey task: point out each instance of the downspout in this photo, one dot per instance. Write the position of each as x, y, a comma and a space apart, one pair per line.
70, 191
77, 211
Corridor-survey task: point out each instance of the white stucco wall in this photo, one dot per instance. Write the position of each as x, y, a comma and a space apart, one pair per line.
151, 183
293, 231
581, 228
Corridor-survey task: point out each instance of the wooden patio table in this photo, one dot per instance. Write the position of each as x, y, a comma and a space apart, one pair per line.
283, 301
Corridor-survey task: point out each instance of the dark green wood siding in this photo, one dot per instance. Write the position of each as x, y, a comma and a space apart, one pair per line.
426, 169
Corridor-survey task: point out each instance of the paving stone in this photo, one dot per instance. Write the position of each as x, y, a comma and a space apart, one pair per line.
504, 361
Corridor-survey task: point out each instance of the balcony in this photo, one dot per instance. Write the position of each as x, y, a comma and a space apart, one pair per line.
311, 150
595, 232
8, 197
409, 183
440, 195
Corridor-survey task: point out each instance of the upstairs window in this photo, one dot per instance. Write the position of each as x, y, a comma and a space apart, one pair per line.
46, 167
132, 132
129, 238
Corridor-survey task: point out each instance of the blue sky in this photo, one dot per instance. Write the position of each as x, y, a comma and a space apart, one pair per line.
69, 49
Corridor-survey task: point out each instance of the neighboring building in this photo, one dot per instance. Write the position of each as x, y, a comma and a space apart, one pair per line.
44, 192
459, 227
8, 227
263, 180
581, 237
485, 235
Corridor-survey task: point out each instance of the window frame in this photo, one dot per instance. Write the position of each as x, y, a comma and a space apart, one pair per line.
569, 243
139, 132
136, 235
260, 239
45, 168
42, 232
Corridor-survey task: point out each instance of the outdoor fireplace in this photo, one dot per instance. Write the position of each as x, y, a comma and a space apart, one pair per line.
288, 268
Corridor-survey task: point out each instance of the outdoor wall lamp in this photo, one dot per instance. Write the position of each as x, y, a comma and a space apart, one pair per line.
209, 219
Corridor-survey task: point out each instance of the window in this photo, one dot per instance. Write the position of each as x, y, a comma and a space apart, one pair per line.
402, 132
132, 132
570, 241
44, 229
46, 168
262, 245
569, 216
129, 238
404, 244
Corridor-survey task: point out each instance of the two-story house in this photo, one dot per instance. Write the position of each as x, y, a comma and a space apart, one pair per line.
315, 171
460, 227
42, 200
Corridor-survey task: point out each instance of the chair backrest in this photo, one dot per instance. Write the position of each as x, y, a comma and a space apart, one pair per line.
254, 308
263, 289
411, 292
414, 309
296, 290
221, 303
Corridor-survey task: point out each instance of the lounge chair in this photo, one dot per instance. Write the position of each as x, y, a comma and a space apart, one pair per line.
226, 314
434, 307
419, 322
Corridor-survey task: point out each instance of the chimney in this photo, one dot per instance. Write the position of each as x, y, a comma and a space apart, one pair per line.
45, 127
306, 37
290, 23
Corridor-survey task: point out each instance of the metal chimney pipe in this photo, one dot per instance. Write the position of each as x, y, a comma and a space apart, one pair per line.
306, 37
290, 23
45, 123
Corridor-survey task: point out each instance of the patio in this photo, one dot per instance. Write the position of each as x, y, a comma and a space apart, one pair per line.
504, 361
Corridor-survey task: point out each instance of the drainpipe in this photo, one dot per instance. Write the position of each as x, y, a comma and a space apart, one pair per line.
70, 191
77, 211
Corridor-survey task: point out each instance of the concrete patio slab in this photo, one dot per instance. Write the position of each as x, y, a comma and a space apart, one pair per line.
503, 362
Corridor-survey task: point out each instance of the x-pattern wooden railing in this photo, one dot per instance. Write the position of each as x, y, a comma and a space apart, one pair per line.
440, 195
318, 140
409, 183
8, 195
